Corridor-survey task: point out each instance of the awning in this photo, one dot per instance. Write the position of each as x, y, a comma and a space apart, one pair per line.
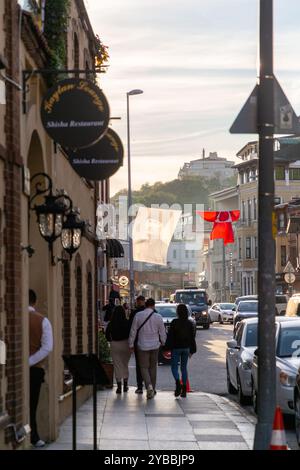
114, 249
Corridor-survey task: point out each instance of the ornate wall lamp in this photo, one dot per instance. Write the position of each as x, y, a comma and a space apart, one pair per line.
56, 217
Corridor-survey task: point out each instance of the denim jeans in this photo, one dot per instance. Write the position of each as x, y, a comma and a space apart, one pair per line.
182, 356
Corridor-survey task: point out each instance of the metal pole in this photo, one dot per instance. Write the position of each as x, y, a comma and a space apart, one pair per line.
74, 424
266, 259
95, 408
224, 272
131, 271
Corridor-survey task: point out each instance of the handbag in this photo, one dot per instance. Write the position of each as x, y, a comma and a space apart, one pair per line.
138, 330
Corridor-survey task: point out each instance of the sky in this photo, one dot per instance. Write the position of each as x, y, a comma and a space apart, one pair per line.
196, 62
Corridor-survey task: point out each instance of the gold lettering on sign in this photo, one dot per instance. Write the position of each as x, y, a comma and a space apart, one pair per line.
55, 98
113, 143
96, 100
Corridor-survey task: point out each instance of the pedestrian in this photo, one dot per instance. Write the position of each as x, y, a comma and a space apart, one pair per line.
40, 346
181, 342
117, 332
139, 307
109, 309
149, 332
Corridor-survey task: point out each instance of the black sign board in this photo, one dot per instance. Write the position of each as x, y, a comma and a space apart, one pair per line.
86, 369
100, 161
75, 113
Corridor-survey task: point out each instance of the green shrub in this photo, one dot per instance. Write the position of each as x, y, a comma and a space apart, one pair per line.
103, 348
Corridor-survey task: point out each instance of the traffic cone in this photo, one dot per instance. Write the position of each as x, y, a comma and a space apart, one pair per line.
278, 439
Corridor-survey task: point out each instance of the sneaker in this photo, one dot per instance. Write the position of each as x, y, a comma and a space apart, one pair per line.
150, 393
139, 391
39, 443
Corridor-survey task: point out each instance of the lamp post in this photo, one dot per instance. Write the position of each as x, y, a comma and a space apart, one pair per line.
131, 271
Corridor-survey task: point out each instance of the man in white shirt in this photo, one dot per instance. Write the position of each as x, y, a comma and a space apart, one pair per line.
150, 336
40, 346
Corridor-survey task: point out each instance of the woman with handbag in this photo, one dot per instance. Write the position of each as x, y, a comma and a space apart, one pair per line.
181, 342
117, 332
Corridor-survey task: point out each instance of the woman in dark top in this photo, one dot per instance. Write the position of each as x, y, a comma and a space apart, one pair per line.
181, 342
117, 332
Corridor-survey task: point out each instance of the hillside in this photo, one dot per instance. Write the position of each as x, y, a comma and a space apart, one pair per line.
187, 191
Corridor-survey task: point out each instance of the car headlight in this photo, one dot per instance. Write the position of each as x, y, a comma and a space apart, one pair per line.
286, 379
247, 365
204, 313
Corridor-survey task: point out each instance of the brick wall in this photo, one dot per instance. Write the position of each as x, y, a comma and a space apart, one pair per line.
12, 231
79, 313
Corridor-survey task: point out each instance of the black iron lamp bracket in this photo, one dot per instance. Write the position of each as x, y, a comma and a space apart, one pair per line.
27, 74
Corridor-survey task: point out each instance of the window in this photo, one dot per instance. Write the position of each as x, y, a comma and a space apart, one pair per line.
281, 222
279, 173
174, 254
254, 208
243, 211
249, 210
294, 173
193, 253
79, 315
248, 248
187, 254
283, 255
255, 247
240, 248
76, 54
90, 312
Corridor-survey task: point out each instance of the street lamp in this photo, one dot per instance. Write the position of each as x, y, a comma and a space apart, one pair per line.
72, 233
131, 271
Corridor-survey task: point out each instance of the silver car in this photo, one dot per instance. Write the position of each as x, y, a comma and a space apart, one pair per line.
287, 363
239, 356
221, 312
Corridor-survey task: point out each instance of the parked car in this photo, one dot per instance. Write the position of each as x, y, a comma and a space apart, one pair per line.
221, 312
168, 312
293, 306
297, 406
239, 356
287, 363
245, 297
245, 309
281, 301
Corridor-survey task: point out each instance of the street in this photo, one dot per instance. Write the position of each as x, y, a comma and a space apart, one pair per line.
207, 371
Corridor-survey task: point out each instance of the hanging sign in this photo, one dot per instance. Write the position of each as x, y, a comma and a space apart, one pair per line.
100, 161
75, 113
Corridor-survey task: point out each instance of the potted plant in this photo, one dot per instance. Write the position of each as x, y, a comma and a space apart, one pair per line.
105, 357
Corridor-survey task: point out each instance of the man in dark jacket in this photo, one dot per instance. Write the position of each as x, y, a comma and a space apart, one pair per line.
139, 307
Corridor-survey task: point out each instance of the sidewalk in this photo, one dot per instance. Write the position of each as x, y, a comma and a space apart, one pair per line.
131, 422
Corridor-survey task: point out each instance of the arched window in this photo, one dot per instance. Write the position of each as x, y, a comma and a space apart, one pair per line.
79, 329
90, 312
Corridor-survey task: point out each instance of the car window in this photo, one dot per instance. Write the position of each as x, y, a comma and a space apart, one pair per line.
239, 334
166, 312
226, 306
251, 335
289, 342
248, 306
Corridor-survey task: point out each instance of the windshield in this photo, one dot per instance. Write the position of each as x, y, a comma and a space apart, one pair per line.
191, 298
251, 336
166, 312
289, 342
248, 307
227, 306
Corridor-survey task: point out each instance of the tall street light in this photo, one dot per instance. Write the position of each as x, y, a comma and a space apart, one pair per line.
131, 271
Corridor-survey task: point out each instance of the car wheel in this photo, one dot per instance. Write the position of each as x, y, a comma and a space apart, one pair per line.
231, 389
254, 398
297, 417
243, 399
220, 320
206, 327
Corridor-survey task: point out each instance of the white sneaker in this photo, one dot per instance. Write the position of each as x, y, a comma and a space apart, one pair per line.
39, 443
150, 393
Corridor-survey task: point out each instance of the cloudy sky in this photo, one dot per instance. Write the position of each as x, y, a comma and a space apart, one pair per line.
196, 61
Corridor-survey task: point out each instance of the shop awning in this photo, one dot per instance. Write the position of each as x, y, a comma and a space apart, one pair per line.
114, 249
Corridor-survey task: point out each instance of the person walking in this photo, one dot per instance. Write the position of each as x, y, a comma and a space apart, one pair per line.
181, 342
149, 332
40, 346
117, 332
140, 306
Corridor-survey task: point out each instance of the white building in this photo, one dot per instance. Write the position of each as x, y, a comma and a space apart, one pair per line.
208, 167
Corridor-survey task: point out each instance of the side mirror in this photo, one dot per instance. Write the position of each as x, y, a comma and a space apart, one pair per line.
232, 344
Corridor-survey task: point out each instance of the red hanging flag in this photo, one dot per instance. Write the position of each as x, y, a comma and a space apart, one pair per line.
222, 227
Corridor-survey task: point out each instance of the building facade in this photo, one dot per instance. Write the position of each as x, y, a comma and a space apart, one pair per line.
208, 167
66, 288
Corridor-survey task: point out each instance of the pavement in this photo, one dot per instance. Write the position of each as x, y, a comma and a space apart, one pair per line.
202, 421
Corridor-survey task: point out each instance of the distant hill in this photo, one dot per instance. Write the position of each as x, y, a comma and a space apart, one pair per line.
184, 191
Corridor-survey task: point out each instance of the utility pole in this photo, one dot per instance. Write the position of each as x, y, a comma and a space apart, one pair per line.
266, 244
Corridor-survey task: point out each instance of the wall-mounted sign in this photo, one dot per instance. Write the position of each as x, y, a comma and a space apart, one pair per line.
100, 161
75, 113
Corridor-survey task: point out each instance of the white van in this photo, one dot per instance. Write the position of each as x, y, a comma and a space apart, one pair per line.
293, 306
